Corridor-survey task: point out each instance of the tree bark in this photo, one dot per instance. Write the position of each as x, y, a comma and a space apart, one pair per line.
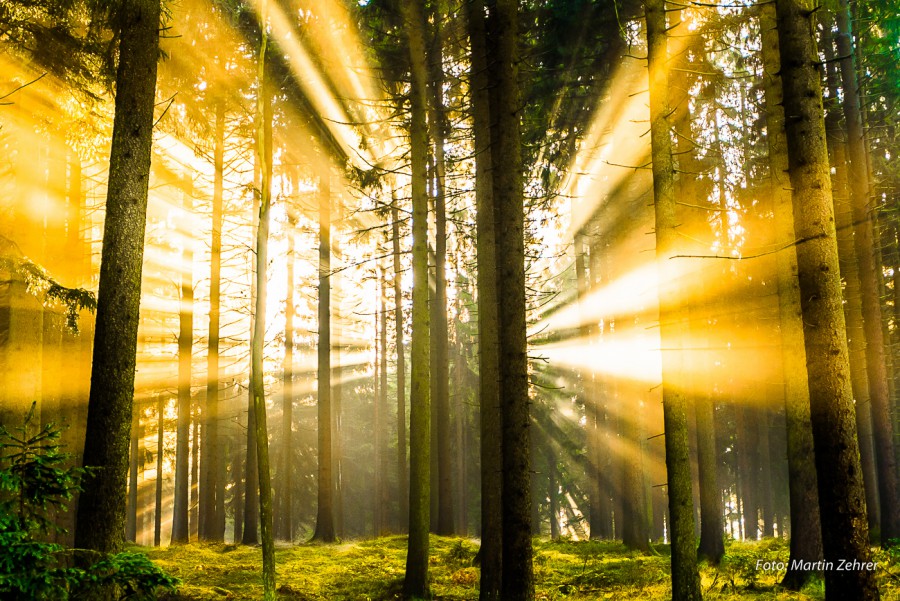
685, 577
100, 523
211, 506
509, 230
402, 469
490, 554
325, 513
864, 245
806, 532
841, 496
180, 532
285, 481
837, 149
416, 581
257, 343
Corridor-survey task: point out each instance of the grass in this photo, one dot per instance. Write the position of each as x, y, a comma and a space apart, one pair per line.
372, 570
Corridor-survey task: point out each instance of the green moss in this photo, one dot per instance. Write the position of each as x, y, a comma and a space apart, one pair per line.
372, 570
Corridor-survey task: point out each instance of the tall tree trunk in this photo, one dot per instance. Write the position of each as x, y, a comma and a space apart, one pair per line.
806, 532
440, 360
131, 517
250, 490
509, 230
193, 513
100, 522
635, 526
325, 515
416, 581
402, 473
712, 544
211, 505
864, 245
488, 349
257, 343
180, 525
856, 338
685, 577
841, 496
285, 480
160, 433
384, 501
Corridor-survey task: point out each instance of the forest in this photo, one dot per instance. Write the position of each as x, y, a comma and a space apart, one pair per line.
506, 300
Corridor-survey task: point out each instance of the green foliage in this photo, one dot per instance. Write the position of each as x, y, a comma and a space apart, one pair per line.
35, 482
42, 285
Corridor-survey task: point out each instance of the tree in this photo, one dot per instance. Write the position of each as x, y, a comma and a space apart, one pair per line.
415, 583
488, 350
685, 577
864, 245
509, 236
325, 514
806, 532
100, 519
212, 488
180, 529
402, 468
841, 497
257, 343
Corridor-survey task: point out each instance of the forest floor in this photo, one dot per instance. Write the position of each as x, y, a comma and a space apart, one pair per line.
372, 570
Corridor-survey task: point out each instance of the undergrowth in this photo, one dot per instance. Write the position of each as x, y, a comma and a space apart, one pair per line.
372, 570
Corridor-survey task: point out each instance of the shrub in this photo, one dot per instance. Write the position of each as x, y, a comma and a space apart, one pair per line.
35, 481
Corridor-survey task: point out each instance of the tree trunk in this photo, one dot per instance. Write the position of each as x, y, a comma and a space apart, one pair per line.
250, 496
180, 531
402, 473
325, 515
131, 517
193, 513
160, 433
211, 505
416, 581
257, 343
488, 350
440, 359
837, 148
841, 496
384, 500
864, 245
806, 532
285, 480
712, 544
101, 509
508, 199
685, 577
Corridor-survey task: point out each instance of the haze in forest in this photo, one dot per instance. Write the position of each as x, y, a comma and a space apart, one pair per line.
506, 271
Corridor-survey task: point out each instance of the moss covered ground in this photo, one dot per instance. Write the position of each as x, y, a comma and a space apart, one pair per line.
372, 570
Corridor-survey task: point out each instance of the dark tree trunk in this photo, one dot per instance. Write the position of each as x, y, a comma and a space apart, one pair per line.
180, 525
712, 544
131, 518
856, 339
440, 356
508, 199
100, 523
211, 505
402, 471
325, 513
864, 245
285, 480
416, 581
488, 387
841, 495
685, 577
160, 432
